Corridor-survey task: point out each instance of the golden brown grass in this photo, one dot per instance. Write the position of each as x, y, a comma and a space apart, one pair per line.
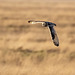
28, 49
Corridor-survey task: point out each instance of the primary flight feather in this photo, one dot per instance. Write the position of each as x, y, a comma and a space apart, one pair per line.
50, 25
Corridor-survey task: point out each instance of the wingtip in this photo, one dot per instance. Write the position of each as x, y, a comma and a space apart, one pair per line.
29, 21
57, 45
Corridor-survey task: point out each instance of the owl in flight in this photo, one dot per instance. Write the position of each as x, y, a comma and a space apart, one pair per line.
50, 25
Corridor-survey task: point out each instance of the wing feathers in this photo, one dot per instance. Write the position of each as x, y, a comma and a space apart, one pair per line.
35, 22
53, 32
54, 36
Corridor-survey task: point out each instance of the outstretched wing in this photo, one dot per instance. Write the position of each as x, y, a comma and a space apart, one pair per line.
54, 36
35, 22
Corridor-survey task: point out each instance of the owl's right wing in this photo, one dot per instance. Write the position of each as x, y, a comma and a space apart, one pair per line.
35, 22
54, 36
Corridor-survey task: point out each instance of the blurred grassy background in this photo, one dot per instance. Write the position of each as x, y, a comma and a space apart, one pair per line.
27, 49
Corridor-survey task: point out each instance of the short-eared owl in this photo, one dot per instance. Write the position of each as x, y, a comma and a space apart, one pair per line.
50, 25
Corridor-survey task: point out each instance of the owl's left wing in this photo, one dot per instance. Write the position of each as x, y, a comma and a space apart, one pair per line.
54, 36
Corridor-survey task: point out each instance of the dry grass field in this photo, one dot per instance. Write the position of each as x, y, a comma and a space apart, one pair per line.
27, 49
